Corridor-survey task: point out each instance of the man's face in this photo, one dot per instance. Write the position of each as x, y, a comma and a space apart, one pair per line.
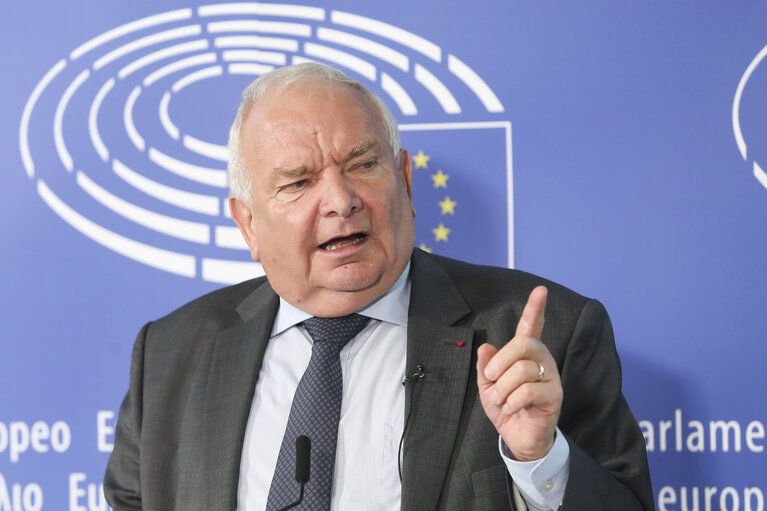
331, 216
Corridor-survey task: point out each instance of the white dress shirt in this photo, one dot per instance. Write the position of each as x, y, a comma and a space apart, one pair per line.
372, 418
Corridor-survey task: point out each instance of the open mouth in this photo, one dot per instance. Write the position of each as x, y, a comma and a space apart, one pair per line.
345, 241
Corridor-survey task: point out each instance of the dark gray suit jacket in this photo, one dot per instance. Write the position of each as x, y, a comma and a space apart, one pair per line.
181, 427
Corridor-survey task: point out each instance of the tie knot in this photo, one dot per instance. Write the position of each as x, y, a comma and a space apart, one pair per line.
337, 330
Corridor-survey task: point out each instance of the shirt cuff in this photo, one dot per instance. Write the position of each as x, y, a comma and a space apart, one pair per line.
541, 482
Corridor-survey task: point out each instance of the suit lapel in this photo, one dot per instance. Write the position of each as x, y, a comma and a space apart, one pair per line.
235, 362
434, 404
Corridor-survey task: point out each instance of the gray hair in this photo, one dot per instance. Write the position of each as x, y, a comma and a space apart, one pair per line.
279, 79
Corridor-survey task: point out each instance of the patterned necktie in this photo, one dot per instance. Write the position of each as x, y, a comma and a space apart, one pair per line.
315, 412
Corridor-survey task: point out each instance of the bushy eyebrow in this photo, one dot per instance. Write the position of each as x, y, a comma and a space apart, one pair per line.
361, 148
289, 172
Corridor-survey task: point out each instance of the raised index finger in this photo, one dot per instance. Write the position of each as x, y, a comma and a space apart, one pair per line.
531, 322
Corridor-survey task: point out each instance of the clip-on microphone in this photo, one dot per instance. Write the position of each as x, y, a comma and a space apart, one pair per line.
303, 460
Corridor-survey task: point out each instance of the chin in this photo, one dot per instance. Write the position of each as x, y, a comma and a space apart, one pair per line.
353, 277
353, 283
347, 289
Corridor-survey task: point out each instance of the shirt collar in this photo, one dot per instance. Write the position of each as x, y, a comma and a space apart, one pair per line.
391, 307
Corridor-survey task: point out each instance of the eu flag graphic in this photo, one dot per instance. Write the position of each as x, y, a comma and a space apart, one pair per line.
463, 198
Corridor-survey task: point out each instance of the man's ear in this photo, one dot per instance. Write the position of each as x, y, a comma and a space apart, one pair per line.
242, 214
406, 171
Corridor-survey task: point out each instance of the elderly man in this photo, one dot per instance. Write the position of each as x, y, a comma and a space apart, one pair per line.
497, 411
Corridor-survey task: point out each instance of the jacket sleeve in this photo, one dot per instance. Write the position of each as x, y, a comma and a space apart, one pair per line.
608, 461
122, 481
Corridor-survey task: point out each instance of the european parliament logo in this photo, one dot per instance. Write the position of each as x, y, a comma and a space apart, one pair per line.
124, 138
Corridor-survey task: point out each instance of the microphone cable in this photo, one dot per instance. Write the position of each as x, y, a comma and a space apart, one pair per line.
412, 380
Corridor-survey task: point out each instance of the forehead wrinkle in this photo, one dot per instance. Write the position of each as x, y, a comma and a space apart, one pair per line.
292, 143
285, 131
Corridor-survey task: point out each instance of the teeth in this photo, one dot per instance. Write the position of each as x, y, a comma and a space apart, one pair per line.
342, 244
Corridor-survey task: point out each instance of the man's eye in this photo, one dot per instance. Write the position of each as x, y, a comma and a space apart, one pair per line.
296, 185
368, 164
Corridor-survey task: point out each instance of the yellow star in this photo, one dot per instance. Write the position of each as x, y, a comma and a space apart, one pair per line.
421, 160
425, 248
440, 179
447, 205
440, 233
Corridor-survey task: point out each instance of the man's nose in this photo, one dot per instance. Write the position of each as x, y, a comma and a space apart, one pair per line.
338, 195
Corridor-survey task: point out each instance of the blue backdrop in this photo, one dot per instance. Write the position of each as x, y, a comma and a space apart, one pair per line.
617, 148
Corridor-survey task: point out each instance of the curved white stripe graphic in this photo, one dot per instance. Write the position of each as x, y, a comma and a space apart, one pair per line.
182, 229
204, 175
130, 128
248, 69
230, 237
159, 37
298, 59
173, 262
438, 90
341, 58
178, 65
268, 57
289, 11
214, 151
398, 94
266, 27
133, 26
202, 74
170, 128
93, 128
58, 120
26, 156
760, 175
373, 48
255, 41
391, 32
229, 272
206, 204
475, 83
171, 51
736, 101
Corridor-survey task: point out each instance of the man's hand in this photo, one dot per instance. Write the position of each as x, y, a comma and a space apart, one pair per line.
523, 407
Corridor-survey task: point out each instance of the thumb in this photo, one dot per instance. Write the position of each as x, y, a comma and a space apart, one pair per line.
484, 354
